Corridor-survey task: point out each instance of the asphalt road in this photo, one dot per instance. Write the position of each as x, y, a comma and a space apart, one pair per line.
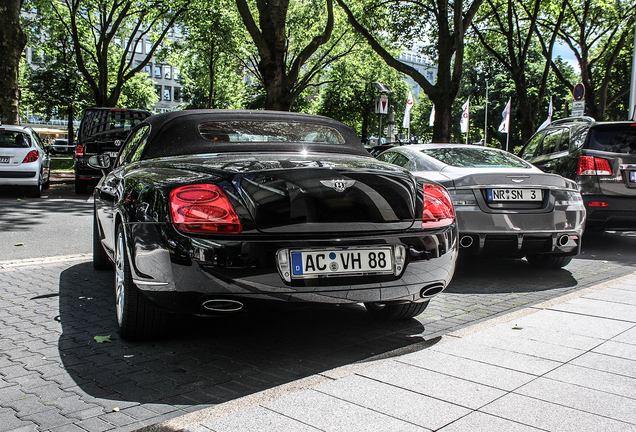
55, 376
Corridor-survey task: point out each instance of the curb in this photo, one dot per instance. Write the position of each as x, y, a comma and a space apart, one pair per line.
29, 262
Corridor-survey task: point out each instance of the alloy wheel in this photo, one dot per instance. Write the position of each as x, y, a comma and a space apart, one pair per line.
120, 278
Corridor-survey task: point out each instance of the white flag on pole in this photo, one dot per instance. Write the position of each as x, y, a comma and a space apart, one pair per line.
505, 123
463, 123
407, 112
549, 119
431, 120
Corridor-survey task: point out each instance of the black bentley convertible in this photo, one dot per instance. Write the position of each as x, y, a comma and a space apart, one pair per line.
205, 212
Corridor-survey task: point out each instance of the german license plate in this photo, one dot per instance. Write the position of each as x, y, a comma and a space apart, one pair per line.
341, 261
632, 176
4, 159
510, 194
112, 154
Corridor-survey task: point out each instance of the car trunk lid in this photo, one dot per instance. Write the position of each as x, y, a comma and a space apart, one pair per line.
317, 194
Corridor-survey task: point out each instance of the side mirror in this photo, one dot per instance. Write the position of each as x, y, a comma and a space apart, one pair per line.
100, 162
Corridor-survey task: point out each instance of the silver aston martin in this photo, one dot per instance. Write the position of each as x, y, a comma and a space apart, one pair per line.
504, 205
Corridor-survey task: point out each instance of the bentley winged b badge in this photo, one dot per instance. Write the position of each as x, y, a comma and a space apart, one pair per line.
338, 185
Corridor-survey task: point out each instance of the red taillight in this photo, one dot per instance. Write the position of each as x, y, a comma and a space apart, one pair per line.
203, 208
32, 156
598, 204
589, 165
79, 151
438, 207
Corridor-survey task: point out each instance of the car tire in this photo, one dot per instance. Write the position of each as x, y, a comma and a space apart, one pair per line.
100, 257
395, 311
47, 183
548, 261
137, 319
80, 186
36, 191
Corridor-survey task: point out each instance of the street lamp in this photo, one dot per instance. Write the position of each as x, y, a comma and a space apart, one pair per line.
381, 104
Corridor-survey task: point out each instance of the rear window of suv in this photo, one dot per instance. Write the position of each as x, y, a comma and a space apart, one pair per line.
614, 138
109, 125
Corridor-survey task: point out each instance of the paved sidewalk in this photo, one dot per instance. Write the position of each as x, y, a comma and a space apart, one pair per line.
565, 365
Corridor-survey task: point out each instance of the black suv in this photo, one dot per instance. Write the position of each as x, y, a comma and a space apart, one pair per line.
102, 130
600, 157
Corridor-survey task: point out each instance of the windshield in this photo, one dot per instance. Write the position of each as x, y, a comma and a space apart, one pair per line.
615, 138
11, 139
269, 131
464, 157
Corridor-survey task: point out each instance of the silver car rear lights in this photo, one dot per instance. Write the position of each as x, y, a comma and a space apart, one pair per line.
463, 197
284, 263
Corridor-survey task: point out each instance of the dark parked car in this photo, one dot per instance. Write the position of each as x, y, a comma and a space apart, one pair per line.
207, 211
504, 205
61, 146
600, 157
101, 131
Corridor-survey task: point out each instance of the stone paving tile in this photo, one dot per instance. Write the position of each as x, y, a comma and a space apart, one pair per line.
532, 412
254, 420
308, 407
582, 398
477, 421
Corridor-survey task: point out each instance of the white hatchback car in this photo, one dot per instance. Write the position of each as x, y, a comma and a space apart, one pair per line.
24, 160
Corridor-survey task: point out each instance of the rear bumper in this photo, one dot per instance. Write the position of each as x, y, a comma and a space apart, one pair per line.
620, 213
84, 172
520, 234
19, 177
180, 273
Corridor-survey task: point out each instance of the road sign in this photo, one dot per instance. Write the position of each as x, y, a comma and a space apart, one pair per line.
382, 104
578, 108
579, 92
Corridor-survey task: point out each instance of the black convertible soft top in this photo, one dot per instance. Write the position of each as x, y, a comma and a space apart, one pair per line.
183, 133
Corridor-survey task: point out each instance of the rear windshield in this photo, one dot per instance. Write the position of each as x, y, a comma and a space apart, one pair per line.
475, 158
109, 125
615, 138
11, 139
269, 132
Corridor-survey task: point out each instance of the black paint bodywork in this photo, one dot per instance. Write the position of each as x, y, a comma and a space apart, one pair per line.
277, 194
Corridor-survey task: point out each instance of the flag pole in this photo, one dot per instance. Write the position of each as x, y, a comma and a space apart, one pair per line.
486, 117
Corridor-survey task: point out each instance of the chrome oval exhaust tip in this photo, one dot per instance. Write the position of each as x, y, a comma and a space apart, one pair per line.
222, 305
563, 240
466, 241
431, 291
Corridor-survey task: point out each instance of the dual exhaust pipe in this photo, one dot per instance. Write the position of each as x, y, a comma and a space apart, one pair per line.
467, 241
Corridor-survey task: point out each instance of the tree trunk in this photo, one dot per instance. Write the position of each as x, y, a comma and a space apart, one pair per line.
70, 126
12, 43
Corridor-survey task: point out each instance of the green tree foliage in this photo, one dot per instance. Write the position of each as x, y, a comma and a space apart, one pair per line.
507, 29
348, 94
52, 85
138, 93
597, 32
12, 43
105, 35
440, 24
479, 70
209, 57
294, 44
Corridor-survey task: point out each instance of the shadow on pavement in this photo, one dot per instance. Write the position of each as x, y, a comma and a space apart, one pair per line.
488, 275
208, 361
